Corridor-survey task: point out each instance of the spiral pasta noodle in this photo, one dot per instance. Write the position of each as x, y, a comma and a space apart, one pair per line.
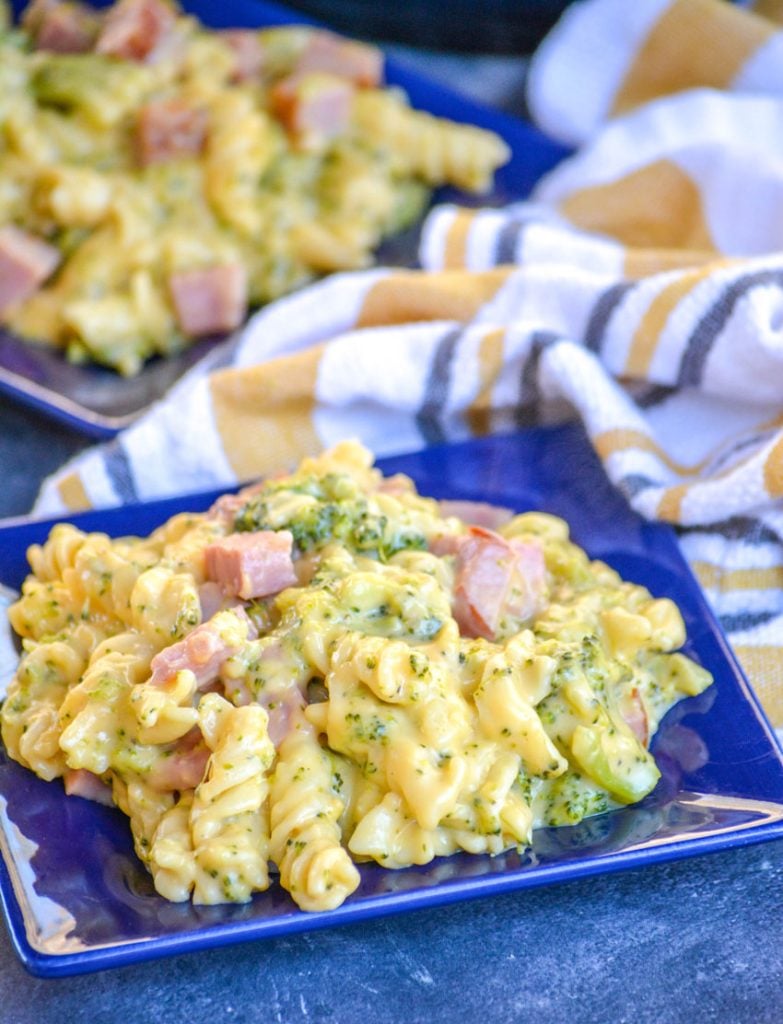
431, 147
305, 834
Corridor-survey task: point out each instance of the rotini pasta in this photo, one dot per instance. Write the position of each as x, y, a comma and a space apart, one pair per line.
329, 668
158, 179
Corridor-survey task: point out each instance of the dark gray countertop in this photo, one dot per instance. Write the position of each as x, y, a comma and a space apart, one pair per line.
695, 941
698, 941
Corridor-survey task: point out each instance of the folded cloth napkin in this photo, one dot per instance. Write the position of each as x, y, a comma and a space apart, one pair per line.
640, 289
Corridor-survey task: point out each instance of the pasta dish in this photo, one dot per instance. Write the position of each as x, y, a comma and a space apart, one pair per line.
328, 668
158, 179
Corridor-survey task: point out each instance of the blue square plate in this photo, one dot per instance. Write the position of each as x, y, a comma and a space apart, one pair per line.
77, 900
98, 402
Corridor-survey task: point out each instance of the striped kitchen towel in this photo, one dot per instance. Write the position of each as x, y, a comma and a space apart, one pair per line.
640, 289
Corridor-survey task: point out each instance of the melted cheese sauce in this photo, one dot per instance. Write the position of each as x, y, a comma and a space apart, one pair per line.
352, 716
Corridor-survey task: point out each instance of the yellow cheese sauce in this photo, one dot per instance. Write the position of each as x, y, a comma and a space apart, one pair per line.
392, 705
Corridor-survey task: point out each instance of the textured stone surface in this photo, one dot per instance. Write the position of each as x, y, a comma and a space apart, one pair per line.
697, 941
31, 447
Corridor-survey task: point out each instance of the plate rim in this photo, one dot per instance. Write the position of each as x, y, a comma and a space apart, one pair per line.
378, 905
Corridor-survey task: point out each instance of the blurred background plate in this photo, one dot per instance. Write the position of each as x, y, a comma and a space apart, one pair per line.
492, 26
98, 403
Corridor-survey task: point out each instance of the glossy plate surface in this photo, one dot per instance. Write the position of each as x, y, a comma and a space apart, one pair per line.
76, 899
98, 402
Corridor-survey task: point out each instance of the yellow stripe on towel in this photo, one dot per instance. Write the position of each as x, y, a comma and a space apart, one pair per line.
263, 413
648, 333
670, 504
694, 43
620, 439
410, 297
490, 359
773, 470
713, 577
763, 666
772, 9
641, 263
73, 494
657, 206
455, 250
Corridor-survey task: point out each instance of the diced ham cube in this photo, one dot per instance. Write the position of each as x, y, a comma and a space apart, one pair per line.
248, 53
358, 62
528, 592
283, 704
446, 544
476, 513
136, 30
183, 767
249, 565
60, 27
80, 782
312, 107
169, 128
396, 485
25, 263
227, 506
212, 300
211, 599
284, 709
634, 714
204, 650
496, 578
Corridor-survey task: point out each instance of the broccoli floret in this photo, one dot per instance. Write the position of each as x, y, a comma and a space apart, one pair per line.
336, 514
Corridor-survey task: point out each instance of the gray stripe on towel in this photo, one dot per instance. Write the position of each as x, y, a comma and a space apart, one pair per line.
436, 393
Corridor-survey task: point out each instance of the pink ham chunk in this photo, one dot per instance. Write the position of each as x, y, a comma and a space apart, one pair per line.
249, 565
137, 30
358, 62
283, 706
212, 300
25, 263
60, 27
183, 767
80, 782
312, 107
211, 599
396, 485
202, 652
634, 714
496, 579
476, 513
284, 709
227, 506
167, 129
248, 53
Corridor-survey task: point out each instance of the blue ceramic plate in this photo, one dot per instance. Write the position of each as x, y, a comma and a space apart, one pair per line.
77, 900
98, 402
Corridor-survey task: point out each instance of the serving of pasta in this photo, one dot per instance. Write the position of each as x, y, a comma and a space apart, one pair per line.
327, 669
158, 179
